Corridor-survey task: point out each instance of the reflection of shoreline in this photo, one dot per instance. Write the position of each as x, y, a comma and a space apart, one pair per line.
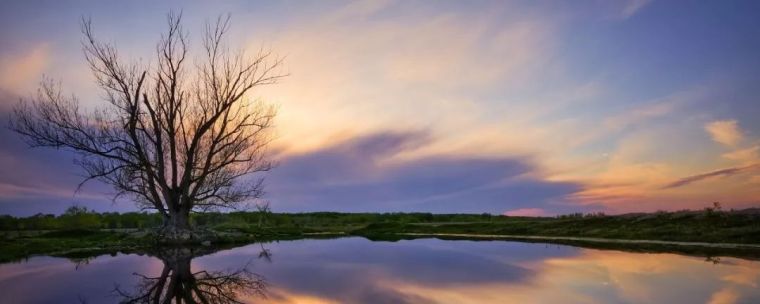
745, 251
591, 239
178, 283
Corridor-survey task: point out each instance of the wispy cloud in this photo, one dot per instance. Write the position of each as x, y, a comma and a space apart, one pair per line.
19, 72
632, 7
362, 70
717, 173
744, 156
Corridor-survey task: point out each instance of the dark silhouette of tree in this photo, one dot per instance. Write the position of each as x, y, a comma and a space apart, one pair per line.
265, 254
177, 137
264, 211
177, 283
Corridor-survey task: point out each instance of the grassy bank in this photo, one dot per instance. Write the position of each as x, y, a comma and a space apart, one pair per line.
65, 242
110, 232
15, 245
683, 227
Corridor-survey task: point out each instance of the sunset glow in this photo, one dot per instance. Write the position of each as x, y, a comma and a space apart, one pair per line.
526, 108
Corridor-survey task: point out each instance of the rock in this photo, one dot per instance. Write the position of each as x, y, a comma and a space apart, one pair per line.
206, 243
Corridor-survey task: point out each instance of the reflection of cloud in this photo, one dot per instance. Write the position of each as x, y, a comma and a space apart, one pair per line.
724, 296
362, 175
605, 277
639, 278
726, 132
357, 271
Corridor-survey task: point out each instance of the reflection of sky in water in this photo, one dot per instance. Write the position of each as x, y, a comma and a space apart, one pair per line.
355, 270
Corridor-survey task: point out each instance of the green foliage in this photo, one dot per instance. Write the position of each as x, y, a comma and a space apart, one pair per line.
81, 229
712, 224
81, 218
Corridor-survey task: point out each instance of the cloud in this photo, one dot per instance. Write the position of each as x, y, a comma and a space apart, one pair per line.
19, 71
646, 111
717, 173
632, 7
726, 132
744, 156
642, 114
34, 180
364, 69
365, 174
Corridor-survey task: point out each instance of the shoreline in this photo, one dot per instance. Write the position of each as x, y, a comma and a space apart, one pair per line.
587, 239
110, 243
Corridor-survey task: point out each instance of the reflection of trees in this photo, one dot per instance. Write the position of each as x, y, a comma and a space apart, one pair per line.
265, 253
712, 259
179, 284
80, 262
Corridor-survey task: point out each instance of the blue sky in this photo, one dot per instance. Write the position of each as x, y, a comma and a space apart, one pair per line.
523, 107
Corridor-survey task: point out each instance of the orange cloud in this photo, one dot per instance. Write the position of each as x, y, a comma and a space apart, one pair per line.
726, 132
744, 156
20, 72
724, 296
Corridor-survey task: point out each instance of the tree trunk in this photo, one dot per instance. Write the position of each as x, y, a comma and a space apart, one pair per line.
177, 227
179, 220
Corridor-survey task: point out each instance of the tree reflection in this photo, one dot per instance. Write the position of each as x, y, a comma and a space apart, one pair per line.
177, 283
265, 253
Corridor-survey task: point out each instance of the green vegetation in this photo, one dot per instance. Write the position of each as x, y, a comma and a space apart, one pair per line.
82, 229
685, 226
65, 242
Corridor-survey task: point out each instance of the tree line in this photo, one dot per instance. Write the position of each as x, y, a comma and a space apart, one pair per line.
77, 217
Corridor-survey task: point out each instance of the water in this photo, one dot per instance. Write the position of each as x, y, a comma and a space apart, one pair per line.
356, 270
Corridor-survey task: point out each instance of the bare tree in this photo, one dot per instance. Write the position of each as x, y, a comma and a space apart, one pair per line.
263, 210
177, 137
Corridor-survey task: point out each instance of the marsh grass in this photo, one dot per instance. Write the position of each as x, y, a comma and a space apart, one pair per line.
112, 232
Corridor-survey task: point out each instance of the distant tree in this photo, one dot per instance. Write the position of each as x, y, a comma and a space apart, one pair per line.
79, 217
176, 137
263, 211
75, 210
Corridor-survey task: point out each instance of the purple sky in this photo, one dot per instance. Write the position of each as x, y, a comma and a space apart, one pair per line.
523, 107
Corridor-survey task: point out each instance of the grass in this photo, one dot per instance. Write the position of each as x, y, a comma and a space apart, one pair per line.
710, 225
66, 242
693, 228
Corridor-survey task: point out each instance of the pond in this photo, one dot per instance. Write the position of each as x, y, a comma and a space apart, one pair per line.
357, 270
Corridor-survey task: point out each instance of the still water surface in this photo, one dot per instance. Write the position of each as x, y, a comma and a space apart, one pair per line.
356, 270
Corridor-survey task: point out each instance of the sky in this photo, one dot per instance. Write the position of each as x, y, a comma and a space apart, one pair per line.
505, 107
